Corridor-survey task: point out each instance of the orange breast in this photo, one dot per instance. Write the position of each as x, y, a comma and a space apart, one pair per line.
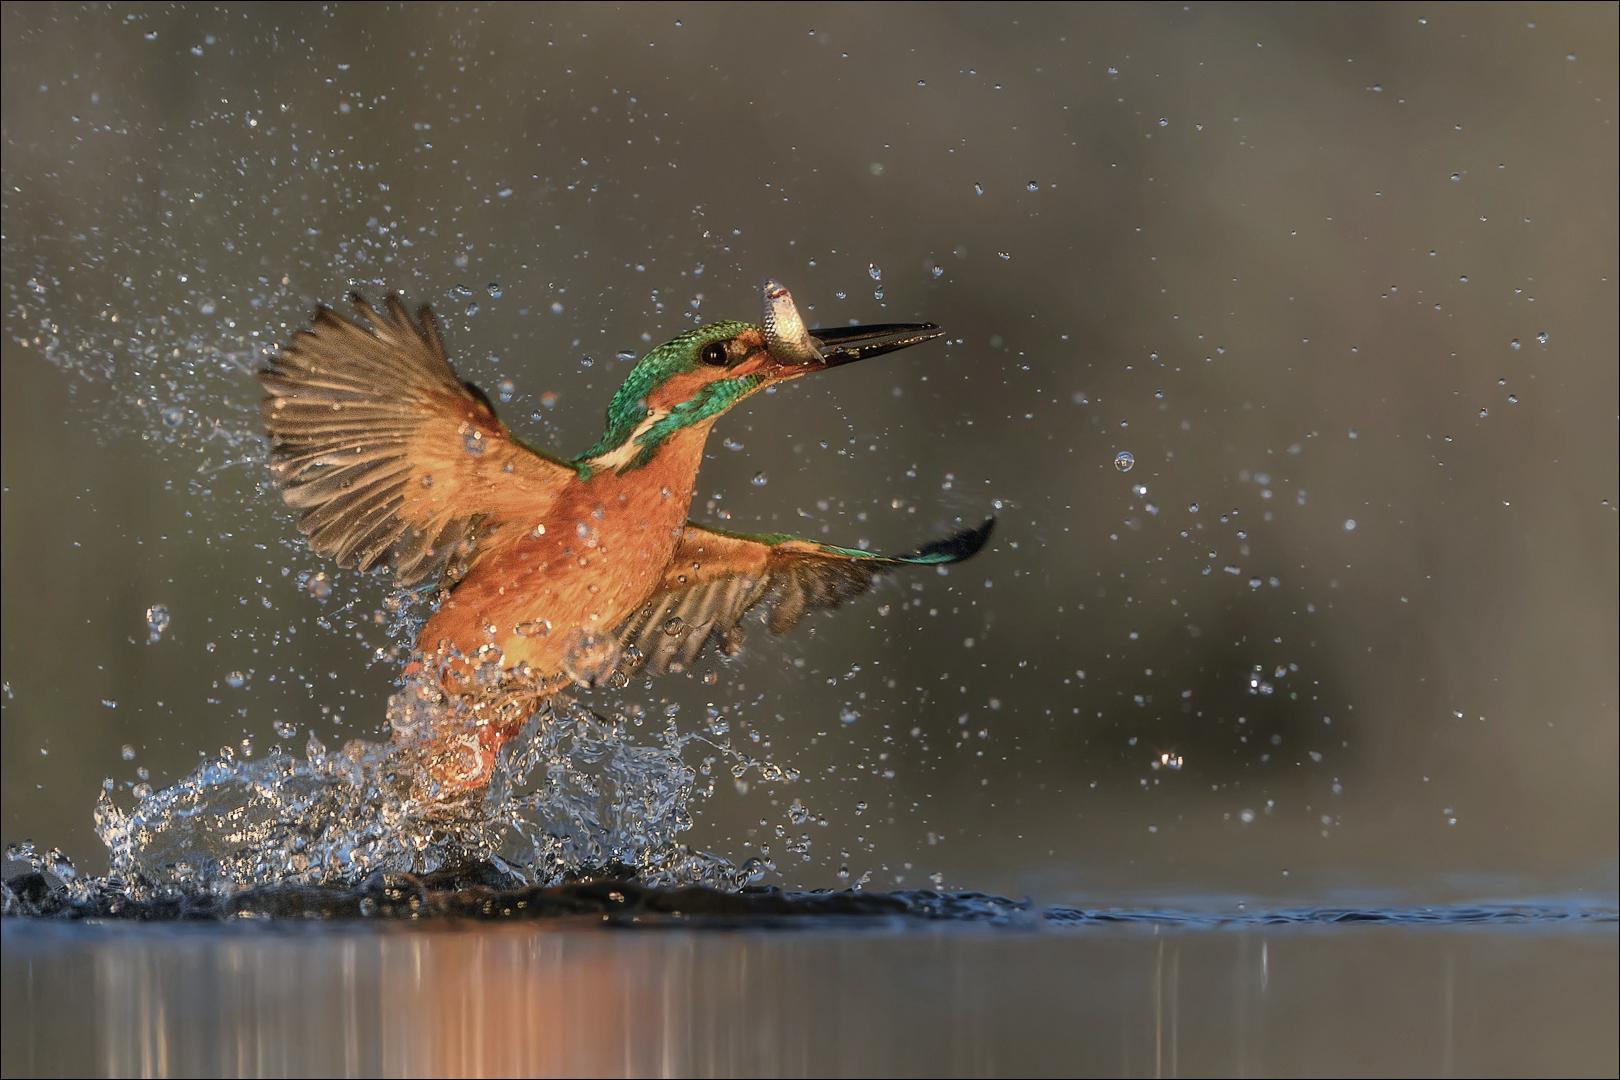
596, 554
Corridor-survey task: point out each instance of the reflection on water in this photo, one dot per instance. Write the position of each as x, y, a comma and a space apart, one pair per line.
1144, 1000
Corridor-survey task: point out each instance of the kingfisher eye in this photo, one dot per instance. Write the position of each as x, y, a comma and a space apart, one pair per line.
713, 354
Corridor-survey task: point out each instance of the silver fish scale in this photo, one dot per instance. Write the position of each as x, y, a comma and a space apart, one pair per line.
785, 334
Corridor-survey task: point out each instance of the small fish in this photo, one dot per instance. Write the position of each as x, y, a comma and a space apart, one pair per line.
785, 334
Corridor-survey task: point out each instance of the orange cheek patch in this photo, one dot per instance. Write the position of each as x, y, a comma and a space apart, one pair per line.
679, 388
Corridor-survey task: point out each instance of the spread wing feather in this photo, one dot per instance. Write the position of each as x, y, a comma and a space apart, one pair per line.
718, 577
358, 421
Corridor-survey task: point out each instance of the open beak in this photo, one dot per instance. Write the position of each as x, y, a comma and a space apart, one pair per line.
791, 343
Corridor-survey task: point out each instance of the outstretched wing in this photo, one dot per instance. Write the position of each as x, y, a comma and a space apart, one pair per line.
389, 454
718, 577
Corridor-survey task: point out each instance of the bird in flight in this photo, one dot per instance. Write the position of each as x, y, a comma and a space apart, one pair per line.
553, 570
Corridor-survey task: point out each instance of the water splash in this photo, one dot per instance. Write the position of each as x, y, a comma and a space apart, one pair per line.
575, 794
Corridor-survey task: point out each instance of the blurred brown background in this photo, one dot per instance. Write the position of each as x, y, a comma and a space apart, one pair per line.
1308, 266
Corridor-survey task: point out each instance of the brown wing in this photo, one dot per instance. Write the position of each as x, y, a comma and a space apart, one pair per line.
718, 577
389, 455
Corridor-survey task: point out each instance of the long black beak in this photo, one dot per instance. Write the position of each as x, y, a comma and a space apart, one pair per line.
847, 344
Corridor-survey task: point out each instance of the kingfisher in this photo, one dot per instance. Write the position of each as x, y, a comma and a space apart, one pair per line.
553, 571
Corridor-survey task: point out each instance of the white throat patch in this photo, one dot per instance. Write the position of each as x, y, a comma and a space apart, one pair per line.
625, 452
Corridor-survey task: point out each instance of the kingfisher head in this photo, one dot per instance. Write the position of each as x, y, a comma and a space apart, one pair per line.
692, 380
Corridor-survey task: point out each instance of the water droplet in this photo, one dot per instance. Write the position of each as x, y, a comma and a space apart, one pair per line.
978, 189
1033, 186
128, 752
472, 440
285, 729
1349, 524
60, 865
1515, 344
506, 388
494, 288
1246, 816
320, 586
848, 715
759, 480
535, 628
426, 480
1139, 489
1542, 337
922, 82
1192, 508
877, 274
626, 354
938, 270
157, 621
173, 415
1463, 279
674, 625
556, 307
753, 868
1483, 413
235, 680
590, 656
1456, 177
1164, 121
1123, 461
